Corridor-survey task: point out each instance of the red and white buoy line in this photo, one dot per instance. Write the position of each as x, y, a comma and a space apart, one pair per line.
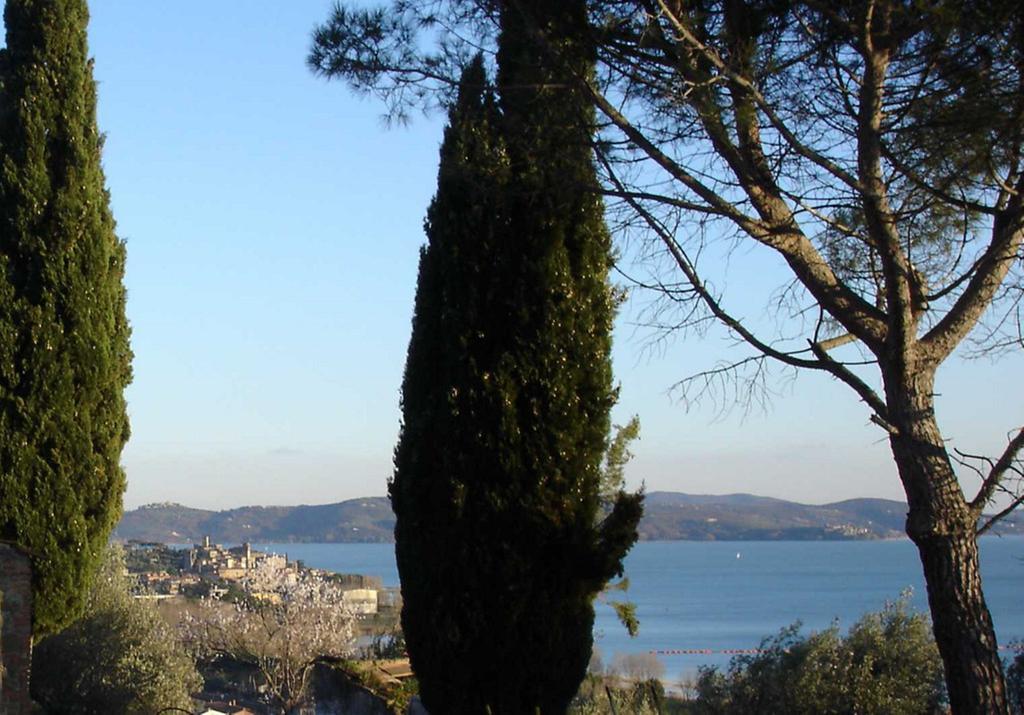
708, 651
1015, 647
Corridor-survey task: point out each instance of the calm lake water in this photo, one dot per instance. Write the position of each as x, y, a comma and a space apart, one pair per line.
729, 595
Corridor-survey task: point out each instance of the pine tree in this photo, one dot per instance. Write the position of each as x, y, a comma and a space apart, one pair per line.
64, 353
500, 543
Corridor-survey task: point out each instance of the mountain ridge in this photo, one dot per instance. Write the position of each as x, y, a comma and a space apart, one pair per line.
668, 516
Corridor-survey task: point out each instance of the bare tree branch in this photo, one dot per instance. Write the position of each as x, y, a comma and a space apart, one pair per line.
824, 361
1000, 515
763, 105
997, 473
992, 269
859, 317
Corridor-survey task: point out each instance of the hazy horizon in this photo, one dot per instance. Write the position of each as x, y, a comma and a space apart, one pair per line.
384, 496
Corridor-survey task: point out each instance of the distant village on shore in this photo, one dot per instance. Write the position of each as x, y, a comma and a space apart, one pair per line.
209, 569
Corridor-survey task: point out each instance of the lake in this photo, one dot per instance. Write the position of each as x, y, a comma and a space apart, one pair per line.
706, 595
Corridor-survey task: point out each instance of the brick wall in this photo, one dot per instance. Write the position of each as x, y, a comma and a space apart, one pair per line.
15, 630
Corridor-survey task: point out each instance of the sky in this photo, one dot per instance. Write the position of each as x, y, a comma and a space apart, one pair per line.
273, 225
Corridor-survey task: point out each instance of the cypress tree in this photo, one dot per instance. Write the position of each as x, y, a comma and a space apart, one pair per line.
499, 537
64, 353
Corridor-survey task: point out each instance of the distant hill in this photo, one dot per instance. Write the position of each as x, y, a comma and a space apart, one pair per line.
668, 516
363, 520
745, 517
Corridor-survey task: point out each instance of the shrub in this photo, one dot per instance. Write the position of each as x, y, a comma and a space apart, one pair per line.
887, 664
120, 657
1015, 683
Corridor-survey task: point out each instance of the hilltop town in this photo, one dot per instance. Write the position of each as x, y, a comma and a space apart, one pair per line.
209, 569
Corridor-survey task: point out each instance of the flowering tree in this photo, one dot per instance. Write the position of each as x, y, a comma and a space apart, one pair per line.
288, 621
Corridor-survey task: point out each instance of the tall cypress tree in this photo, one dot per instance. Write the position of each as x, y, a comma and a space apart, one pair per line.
64, 353
500, 543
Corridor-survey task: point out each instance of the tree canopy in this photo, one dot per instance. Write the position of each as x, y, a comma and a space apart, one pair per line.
500, 540
64, 353
886, 665
121, 656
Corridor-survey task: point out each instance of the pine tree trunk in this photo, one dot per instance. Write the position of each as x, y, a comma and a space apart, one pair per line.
943, 527
963, 626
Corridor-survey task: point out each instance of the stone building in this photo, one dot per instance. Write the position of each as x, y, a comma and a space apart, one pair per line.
15, 630
230, 564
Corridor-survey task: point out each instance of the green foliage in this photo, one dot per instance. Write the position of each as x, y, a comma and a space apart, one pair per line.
235, 594
613, 476
625, 611
397, 694
121, 657
600, 695
499, 538
64, 354
399, 697
1015, 683
886, 665
631, 684
152, 558
613, 481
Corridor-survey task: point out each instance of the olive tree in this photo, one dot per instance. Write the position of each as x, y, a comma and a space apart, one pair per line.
120, 656
886, 665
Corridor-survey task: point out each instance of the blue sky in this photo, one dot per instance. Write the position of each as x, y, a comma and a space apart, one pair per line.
273, 226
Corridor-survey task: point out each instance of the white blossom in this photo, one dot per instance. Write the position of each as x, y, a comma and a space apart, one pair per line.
288, 621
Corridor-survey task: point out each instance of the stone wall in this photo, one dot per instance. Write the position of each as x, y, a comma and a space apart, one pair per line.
15, 630
336, 693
